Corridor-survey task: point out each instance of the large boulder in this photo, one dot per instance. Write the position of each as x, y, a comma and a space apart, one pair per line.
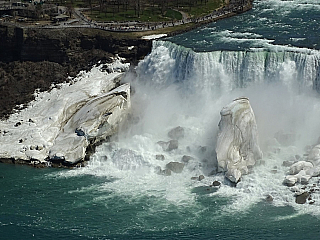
176, 167
237, 146
176, 133
97, 119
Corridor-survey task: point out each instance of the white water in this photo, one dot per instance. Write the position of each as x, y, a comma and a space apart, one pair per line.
174, 86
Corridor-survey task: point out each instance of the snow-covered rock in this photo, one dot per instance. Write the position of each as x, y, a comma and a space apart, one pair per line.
60, 123
237, 146
303, 171
97, 119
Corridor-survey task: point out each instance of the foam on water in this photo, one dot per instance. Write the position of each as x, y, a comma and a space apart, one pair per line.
175, 86
171, 89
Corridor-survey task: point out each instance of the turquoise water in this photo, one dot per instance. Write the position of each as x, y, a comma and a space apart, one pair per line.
35, 204
269, 54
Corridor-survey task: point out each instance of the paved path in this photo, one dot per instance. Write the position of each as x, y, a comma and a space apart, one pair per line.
82, 22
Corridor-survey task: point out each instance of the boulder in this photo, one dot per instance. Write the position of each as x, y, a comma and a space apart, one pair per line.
176, 167
298, 166
97, 119
186, 158
290, 180
160, 157
176, 133
201, 177
216, 184
169, 146
287, 163
237, 145
269, 198
302, 198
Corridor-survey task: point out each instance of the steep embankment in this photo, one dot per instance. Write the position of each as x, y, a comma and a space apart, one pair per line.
36, 58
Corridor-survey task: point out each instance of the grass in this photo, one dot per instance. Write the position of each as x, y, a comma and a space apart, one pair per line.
205, 9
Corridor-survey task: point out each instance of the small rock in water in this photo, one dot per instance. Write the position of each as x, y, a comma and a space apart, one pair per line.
302, 198
169, 146
176, 133
287, 163
186, 158
17, 124
202, 149
194, 178
269, 198
175, 167
173, 144
160, 157
216, 184
201, 177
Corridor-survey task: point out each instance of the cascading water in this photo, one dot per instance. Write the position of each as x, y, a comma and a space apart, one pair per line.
270, 55
175, 86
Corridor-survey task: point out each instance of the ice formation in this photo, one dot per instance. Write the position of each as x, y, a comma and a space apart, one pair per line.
60, 124
237, 146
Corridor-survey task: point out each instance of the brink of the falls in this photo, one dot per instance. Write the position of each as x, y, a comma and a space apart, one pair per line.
237, 146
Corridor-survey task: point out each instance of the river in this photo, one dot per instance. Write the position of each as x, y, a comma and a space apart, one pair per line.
270, 54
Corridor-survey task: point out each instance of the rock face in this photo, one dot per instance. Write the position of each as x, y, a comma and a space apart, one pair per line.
59, 125
237, 146
96, 120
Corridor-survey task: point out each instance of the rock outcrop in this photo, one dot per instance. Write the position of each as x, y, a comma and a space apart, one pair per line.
237, 146
59, 125
303, 171
96, 120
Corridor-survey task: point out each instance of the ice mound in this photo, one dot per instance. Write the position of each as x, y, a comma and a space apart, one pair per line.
237, 146
60, 124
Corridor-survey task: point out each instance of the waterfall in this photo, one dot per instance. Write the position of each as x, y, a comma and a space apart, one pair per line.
227, 70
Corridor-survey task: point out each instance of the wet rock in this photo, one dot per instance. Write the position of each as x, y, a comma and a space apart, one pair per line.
287, 163
216, 184
176, 167
169, 146
186, 158
301, 165
269, 198
302, 198
290, 180
160, 157
237, 145
202, 149
201, 177
311, 202
176, 133
17, 124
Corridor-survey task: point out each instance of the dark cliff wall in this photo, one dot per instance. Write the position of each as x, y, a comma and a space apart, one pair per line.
62, 45
35, 58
